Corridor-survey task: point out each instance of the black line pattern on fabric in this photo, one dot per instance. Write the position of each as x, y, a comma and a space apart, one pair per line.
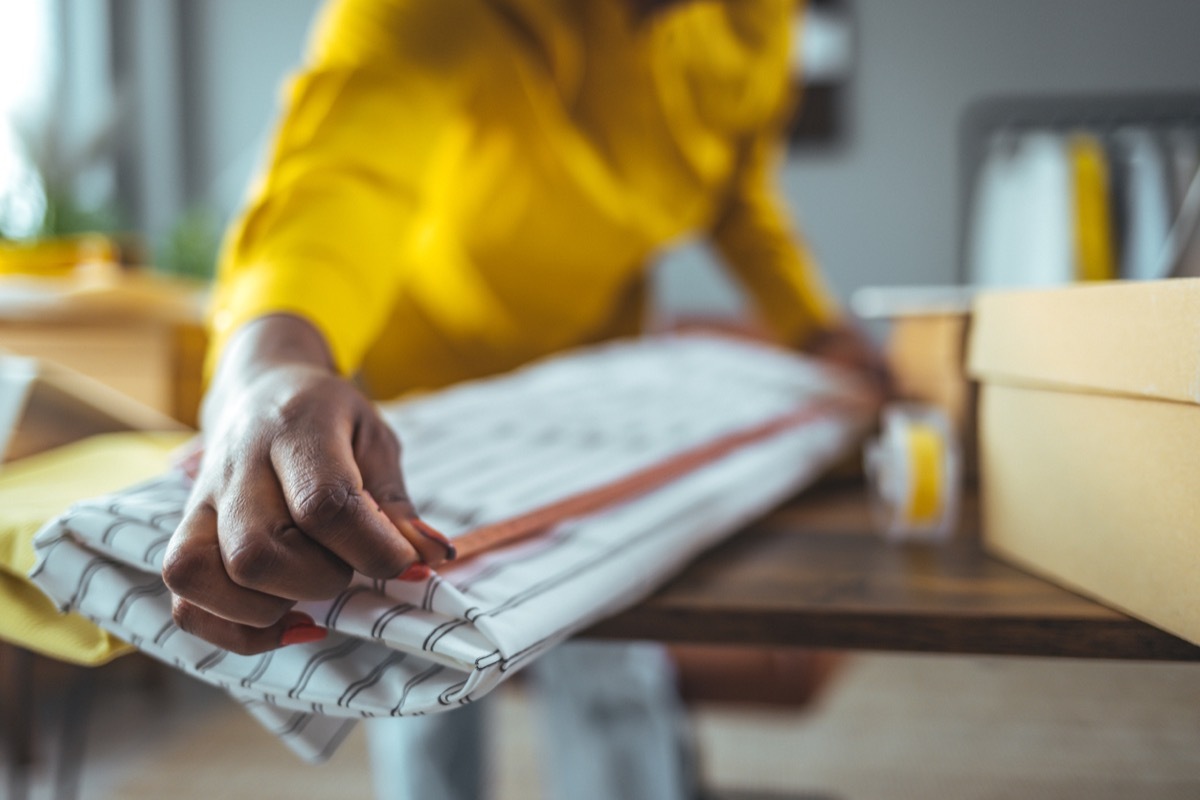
441, 630
111, 531
413, 682
489, 660
496, 582
322, 657
131, 596
431, 587
158, 545
165, 632
484, 574
440, 508
259, 670
352, 691
561, 535
95, 565
385, 619
339, 604
211, 660
162, 520
295, 724
444, 697
596, 560
45, 552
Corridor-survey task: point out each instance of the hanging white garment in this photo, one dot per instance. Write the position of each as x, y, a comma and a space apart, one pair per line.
1147, 205
993, 230
484, 452
1022, 230
1183, 151
1181, 256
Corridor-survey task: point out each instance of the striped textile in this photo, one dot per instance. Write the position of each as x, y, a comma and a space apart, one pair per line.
475, 455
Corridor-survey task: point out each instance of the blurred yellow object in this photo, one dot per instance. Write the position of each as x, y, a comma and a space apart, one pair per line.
57, 257
32, 492
1096, 259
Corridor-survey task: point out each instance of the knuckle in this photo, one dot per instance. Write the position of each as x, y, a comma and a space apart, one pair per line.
251, 562
323, 504
185, 615
184, 568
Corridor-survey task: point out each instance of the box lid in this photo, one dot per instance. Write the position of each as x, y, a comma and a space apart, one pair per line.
1131, 338
45, 405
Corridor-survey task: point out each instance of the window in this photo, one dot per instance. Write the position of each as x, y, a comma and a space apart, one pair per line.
26, 78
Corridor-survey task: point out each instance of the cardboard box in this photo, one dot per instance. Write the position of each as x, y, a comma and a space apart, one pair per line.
926, 351
1090, 441
45, 405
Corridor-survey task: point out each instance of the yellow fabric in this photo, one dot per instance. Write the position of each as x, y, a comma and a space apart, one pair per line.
1095, 258
461, 186
36, 489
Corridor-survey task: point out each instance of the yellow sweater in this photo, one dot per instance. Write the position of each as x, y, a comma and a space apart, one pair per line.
460, 186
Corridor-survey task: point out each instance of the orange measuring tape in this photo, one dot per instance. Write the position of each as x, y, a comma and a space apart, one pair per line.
515, 529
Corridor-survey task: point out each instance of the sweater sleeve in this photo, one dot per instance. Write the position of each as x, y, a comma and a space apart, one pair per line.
772, 261
341, 205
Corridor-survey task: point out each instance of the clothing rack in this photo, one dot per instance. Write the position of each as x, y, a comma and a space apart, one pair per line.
1099, 113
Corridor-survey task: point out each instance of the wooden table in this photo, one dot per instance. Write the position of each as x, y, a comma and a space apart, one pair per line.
814, 574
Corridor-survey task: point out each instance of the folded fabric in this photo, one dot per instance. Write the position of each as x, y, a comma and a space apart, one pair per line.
475, 455
36, 489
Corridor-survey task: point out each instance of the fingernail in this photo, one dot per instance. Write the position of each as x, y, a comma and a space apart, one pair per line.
430, 533
417, 571
301, 629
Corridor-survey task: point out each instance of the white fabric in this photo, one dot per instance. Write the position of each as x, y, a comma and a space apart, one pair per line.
1022, 225
479, 453
1147, 206
1182, 252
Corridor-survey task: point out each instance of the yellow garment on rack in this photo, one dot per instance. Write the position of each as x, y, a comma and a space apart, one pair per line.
1095, 259
459, 187
36, 489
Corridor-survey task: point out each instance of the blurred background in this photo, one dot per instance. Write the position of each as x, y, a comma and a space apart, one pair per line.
129, 130
158, 111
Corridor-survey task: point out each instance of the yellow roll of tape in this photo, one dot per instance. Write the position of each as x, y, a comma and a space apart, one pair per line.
913, 469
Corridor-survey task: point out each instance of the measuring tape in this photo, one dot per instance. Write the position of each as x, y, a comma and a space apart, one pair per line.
509, 531
914, 471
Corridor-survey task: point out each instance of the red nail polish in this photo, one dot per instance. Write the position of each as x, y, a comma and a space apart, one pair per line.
415, 572
301, 633
428, 532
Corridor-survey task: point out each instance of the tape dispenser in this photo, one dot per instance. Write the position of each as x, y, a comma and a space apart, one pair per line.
914, 471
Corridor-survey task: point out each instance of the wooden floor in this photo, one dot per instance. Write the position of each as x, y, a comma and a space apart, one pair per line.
893, 727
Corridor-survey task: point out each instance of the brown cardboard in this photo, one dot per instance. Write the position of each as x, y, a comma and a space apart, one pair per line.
1141, 338
63, 406
926, 357
1090, 441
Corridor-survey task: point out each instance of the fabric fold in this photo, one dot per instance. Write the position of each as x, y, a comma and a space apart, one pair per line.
481, 453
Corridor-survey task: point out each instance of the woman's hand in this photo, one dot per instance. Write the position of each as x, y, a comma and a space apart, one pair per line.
299, 487
848, 346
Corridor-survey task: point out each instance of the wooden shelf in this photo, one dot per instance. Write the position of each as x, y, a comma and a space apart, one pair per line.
813, 574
